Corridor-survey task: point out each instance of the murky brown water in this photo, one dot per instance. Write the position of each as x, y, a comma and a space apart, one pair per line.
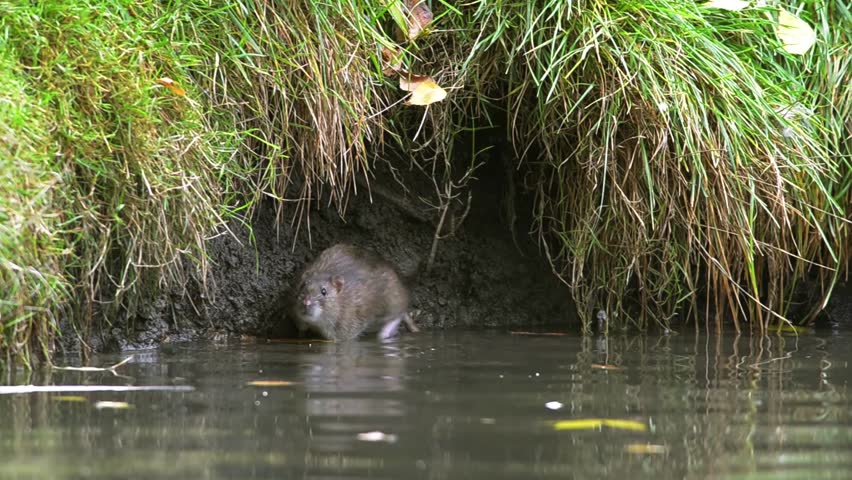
450, 406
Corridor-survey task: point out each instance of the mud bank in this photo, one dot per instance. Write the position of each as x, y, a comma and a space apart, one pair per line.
480, 277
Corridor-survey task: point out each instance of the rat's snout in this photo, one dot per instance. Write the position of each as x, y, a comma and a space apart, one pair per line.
307, 302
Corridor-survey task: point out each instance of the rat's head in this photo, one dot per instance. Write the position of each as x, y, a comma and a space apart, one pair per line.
317, 297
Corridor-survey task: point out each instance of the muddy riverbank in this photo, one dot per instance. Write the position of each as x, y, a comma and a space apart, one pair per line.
481, 276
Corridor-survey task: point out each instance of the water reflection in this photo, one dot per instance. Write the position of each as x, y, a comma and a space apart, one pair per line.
470, 405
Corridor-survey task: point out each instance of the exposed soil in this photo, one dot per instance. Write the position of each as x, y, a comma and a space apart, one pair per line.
480, 277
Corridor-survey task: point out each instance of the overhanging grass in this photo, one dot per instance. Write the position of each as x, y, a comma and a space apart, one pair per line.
673, 150
671, 168
30, 246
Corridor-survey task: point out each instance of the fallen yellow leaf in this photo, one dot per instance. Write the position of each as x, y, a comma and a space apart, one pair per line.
424, 90
797, 37
171, 85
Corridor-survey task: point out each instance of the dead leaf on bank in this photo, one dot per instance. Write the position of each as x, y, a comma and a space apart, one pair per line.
392, 62
424, 90
419, 17
797, 37
171, 85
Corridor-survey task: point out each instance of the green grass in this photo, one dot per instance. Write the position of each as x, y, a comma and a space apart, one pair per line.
134, 165
674, 152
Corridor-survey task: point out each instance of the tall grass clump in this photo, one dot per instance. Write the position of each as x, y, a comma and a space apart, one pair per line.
31, 244
678, 155
672, 166
301, 79
139, 168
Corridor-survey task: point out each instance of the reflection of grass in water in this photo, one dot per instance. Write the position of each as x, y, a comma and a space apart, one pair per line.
677, 150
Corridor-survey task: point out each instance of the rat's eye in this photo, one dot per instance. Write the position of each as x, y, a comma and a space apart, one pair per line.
323, 291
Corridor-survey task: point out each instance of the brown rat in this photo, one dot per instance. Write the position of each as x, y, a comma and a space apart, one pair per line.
347, 290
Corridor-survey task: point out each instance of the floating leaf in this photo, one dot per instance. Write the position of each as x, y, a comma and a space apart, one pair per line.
597, 423
732, 5
605, 367
554, 405
424, 90
377, 437
418, 18
797, 37
68, 398
171, 85
113, 405
270, 383
645, 448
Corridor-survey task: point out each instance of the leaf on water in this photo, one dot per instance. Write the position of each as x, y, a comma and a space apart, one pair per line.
270, 383
597, 423
542, 334
377, 436
112, 405
582, 424
554, 405
419, 17
68, 398
424, 90
732, 5
605, 367
797, 37
625, 424
171, 85
645, 448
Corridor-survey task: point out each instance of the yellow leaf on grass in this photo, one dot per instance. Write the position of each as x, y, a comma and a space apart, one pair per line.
269, 383
732, 5
797, 37
171, 85
424, 90
597, 423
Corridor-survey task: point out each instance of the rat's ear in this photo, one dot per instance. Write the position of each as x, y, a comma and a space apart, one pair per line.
337, 281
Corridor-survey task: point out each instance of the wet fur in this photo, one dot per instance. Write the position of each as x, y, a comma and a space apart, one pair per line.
363, 292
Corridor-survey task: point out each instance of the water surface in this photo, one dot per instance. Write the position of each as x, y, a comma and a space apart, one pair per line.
475, 405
